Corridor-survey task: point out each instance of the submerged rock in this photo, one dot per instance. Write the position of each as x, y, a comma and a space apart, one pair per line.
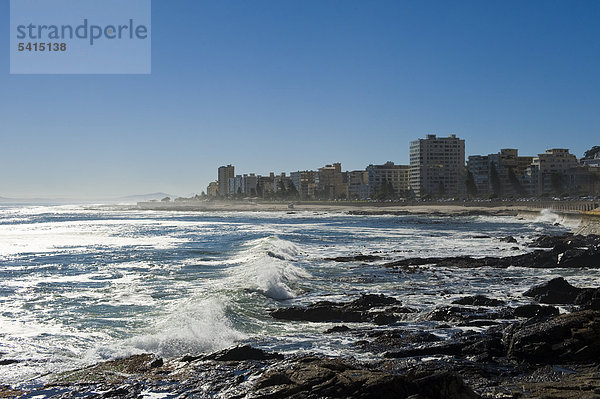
356, 258
509, 239
338, 329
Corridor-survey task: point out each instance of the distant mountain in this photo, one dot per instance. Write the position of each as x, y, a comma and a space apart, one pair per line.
144, 197
59, 201
65, 201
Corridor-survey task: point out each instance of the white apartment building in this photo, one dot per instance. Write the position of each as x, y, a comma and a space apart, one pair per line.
437, 166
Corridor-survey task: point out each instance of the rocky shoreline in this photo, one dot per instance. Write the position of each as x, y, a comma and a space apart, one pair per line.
548, 348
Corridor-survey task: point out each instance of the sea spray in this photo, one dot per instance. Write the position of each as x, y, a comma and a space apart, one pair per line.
198, 325
268, 267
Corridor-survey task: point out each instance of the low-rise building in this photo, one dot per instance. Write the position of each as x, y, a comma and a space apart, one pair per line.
357, 184
382, 178
330, 182
213, 189
547, 173
502, 174
304, 183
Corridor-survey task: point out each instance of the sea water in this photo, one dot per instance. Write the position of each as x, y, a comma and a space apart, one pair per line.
81, 284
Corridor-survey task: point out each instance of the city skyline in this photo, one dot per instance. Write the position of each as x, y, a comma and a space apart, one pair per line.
438, 169
282, 86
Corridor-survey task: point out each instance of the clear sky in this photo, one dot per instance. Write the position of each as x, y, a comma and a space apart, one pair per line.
295, 84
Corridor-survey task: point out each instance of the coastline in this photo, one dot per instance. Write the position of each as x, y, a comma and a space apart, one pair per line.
544, 348
581, 222
364, 208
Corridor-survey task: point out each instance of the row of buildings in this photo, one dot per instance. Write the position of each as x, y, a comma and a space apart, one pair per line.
437, 169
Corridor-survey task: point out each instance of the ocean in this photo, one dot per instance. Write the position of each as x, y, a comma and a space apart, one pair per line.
82, 284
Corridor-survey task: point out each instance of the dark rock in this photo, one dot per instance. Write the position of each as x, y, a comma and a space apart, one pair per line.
478, 300
334, 378
239, 353
573, 337
6, 362
565, 253
369, 301
589, 298
337, 329
483, 346
579, 258
390, 340
356, 258
533, 310
368, 308
457, 314
565, 241
509, 239
480, 236
557, 290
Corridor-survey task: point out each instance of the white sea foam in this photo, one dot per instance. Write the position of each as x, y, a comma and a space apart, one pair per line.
195, 326
267, 266
548, 216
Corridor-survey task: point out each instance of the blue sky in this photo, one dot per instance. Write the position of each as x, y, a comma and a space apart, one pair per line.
288, 85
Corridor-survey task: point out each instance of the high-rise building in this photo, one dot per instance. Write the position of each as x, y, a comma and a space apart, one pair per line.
382, 176
225, 173
437, 166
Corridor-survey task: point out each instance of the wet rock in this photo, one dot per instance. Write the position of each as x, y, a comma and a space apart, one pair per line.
112, 372
579, 258
338, 329
458, 315
534, 310
377, 309
563, 255
240, 353
478, 300
565, 241
335, 378
389, 340
356, 258
509, 239
589, 299
368, 301
557, 290
128, 391
573, 337
7, 392
482, 346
